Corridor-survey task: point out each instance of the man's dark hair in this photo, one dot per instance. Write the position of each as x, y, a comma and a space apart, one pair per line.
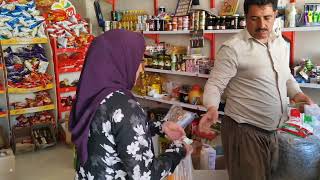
248, 3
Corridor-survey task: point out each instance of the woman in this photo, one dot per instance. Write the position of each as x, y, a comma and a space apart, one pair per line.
109, 128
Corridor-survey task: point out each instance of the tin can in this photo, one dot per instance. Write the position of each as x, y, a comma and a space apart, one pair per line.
185, 24
107, 25
202, 20
196, 20
174, 26
191, 21
169, 26
180, 23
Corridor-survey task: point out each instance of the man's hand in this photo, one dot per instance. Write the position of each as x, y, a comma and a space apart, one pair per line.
208, 119
302, 99
173, 131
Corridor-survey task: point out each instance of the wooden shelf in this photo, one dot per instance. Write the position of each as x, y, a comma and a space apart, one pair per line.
29, 90
309, 85
68, 89
176, 73
22, 41
31, 110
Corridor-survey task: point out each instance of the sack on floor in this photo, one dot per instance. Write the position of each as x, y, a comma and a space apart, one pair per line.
299, 158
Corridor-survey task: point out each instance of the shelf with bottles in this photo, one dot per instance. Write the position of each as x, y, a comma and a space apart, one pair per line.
181, 73
160, 100
307, 74
170, 59
167, 23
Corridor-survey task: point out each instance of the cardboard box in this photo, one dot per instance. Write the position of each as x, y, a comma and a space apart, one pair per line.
7, 164
210, 175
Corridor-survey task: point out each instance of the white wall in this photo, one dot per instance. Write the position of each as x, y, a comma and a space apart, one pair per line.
306, 46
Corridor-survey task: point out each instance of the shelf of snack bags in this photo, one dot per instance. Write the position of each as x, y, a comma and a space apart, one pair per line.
21, 23
3, 114
70, 38
28, 63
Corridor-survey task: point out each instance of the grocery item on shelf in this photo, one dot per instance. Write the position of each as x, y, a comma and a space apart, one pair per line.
42, 98
71, 32
36, 118
1, 87
311, 14
26, 66
67, 101
66, 83
43, 136
139, 20
307, 72
168, 57
20, 19
156, 86
71, 61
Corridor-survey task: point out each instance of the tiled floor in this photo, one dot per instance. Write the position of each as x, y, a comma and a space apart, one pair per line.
50, 164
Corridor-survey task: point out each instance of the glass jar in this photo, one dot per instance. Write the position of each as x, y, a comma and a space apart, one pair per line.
242, 22
234, 21
228, 22
223, 23
210, 22
217, 23
160, 62
167, 62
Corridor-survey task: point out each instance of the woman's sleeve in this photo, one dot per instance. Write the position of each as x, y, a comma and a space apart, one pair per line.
133, 140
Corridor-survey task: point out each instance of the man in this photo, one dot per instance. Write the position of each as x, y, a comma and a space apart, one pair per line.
252, 69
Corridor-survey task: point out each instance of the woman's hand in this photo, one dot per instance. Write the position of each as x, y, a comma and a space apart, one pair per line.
173, 131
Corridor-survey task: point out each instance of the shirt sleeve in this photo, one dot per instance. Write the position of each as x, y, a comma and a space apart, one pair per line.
134, 145
293, 87
225, 68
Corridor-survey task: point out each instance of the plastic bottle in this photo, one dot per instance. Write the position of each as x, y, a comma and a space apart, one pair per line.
173, 62
292, 12
207, 158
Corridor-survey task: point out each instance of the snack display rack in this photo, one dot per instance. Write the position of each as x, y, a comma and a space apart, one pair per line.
4, 118
19, 93
70, 69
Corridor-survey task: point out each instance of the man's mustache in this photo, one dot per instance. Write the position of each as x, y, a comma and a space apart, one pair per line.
261, 30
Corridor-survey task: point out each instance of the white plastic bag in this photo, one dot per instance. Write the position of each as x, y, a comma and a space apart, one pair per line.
184, 170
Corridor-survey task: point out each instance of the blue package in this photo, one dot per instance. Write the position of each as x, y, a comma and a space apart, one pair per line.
31, 5
12, 23
35, 24
26, 14
4, 11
